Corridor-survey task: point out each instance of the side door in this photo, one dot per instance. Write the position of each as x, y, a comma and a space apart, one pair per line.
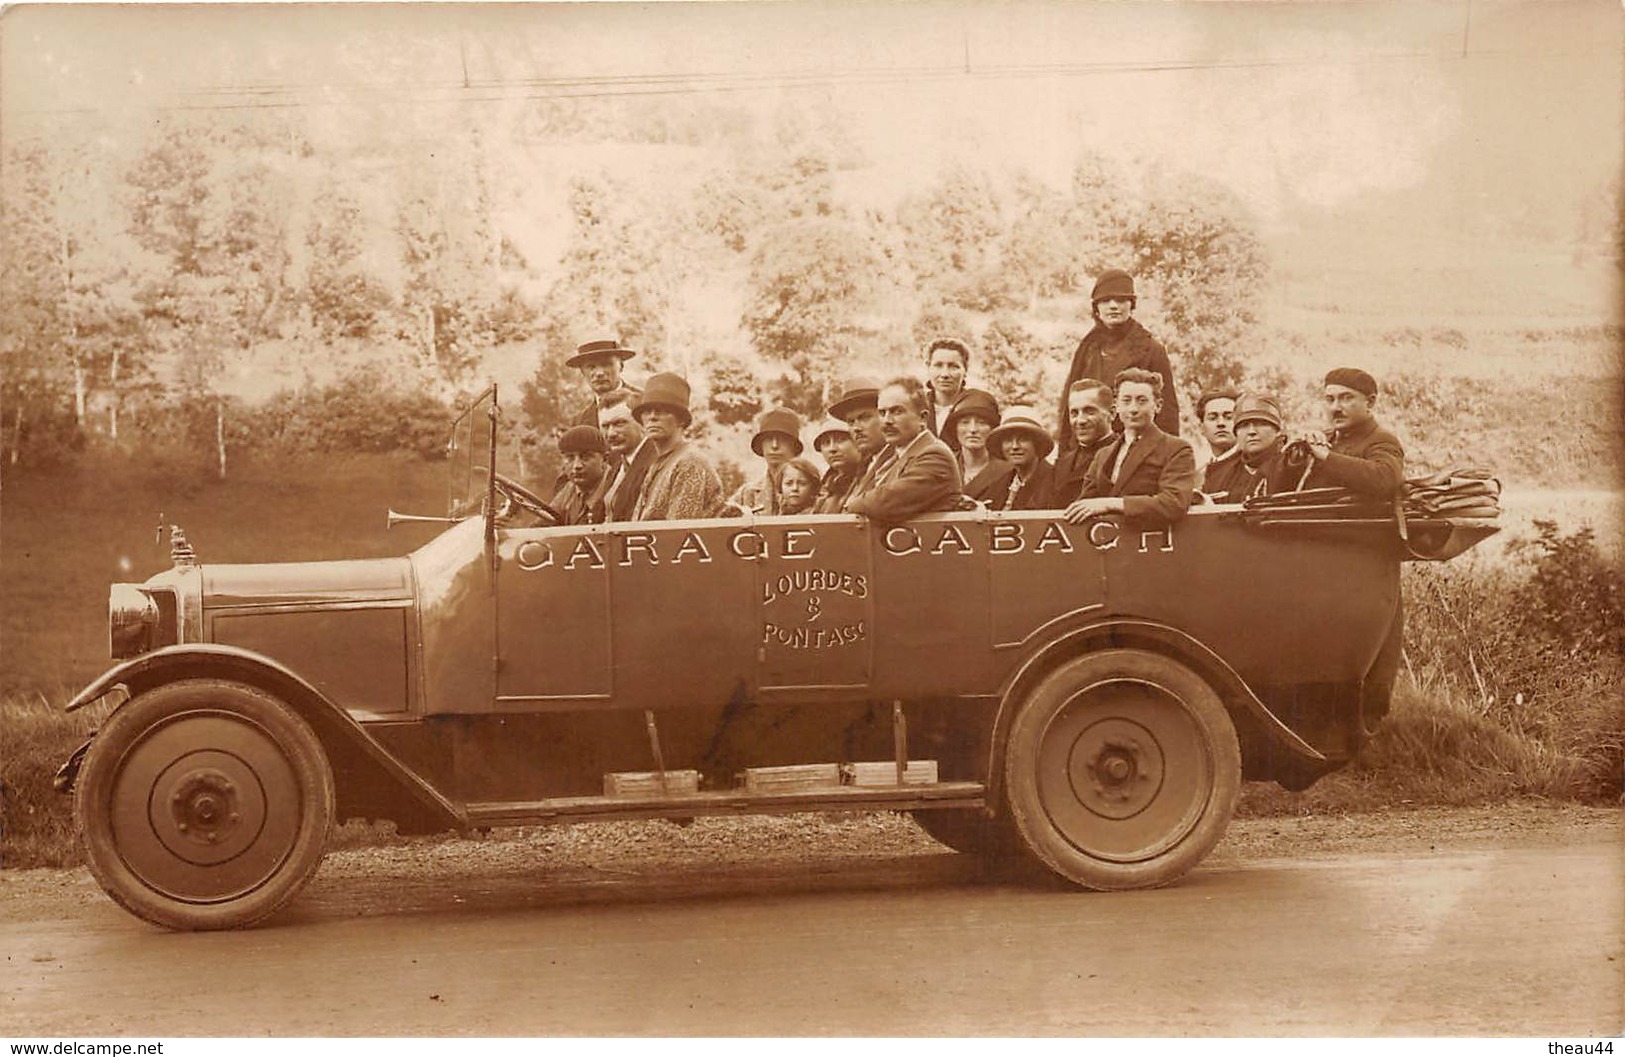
815, 607
554, 636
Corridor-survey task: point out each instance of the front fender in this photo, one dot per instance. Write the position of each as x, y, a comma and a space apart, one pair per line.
1077, 633
360, 762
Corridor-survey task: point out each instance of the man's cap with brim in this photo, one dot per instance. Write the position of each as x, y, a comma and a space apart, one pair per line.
853, 395
594, 349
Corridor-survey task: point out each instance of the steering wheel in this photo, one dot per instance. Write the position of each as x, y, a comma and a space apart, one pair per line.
515, 494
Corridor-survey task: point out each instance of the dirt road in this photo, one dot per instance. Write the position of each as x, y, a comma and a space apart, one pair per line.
1427, 923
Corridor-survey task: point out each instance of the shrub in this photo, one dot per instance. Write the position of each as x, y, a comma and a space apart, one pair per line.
1535, 651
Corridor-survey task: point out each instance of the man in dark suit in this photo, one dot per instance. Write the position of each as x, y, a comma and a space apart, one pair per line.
1145, 474
630, 454
600, 363
1089, 413
1359, 454
915, 473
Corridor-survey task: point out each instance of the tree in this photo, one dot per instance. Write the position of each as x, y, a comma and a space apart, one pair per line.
817, 290
1194, 241
954, 239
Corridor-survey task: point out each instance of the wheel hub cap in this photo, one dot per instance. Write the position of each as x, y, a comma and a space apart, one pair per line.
1122, 770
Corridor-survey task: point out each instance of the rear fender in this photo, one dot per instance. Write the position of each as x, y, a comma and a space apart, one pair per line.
363, 769
1066, 639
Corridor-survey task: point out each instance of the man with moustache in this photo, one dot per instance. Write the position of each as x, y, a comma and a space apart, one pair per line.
1089, 414
1255, 466
1370, 462
1115, 343
681, 485
857, 404
1144, 474
916, 472
630, 454
1359, 454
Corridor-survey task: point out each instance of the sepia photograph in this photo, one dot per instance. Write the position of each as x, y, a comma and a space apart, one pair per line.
831, 519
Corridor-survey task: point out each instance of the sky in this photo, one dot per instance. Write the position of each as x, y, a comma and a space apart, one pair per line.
1421, 115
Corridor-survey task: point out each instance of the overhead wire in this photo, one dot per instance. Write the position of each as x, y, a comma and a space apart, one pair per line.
601, 86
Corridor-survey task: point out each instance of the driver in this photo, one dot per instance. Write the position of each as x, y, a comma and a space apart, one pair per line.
581, 500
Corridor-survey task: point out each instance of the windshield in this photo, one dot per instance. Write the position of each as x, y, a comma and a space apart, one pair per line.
470, 454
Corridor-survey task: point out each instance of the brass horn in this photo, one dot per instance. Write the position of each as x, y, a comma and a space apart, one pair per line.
395, 519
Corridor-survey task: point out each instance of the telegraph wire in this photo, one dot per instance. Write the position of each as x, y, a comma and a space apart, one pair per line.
498, 90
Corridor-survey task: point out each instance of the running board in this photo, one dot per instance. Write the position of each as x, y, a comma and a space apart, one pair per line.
731, 802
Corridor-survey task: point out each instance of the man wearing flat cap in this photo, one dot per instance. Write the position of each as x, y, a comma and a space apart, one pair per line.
1369, 461
1256, 465
777, 441
1115, 343
1358, 454
681, 484
1023, 443
600, 363
581, 500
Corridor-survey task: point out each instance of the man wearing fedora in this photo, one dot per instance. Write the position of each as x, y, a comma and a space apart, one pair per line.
1255, 466
1089, 414
681, 485
1115, 343
857, 403
1144, 474
600, 363
916, 472
581, 500
846, 464
1358, 454
777, 441
1023, 443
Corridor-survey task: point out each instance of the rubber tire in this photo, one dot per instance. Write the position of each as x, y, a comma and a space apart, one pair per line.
275, 733
1186, 706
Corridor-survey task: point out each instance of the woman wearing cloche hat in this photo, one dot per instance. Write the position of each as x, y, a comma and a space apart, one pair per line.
777, 441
